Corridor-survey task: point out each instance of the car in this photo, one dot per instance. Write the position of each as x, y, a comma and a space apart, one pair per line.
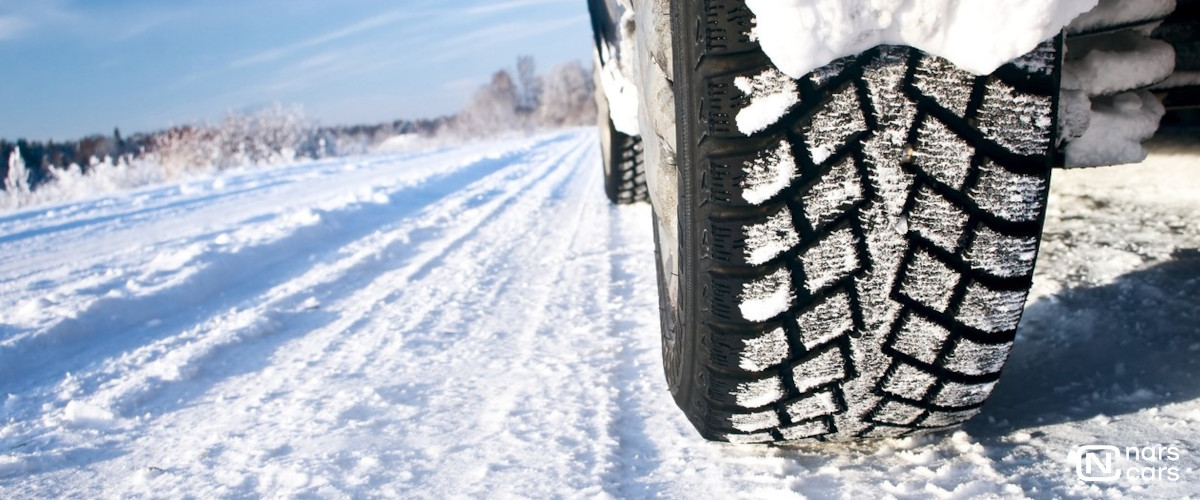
848, 196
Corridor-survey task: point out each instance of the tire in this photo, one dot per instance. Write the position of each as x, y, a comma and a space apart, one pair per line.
858, 268
621, 155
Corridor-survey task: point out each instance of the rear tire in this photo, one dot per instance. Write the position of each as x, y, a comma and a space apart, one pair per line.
858, 268
621, 155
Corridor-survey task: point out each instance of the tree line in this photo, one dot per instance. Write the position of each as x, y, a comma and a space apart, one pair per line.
522, 101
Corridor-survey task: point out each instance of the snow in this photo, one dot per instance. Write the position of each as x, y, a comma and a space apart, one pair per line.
769, 173
769, 239
765, 298
770, 94
616, 79
477, 321
1116, 130
1120, 12
802, 35
764, 351
1105, 65
759, 393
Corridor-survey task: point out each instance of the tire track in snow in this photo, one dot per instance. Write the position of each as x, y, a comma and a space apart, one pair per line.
212, 271
126, 380
324, 339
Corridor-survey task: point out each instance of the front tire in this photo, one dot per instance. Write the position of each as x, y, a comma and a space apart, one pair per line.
858, 267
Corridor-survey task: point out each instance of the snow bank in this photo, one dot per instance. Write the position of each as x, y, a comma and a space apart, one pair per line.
1118, 125
803, 35
1116, 12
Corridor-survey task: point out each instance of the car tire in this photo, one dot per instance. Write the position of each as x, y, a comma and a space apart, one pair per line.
857, 268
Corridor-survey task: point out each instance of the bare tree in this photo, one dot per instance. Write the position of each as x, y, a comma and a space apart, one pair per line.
531, 85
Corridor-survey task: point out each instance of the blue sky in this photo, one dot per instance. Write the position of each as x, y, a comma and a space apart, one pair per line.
73, 68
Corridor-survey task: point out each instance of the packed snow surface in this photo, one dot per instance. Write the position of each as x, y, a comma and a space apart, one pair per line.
978, 36
478, 321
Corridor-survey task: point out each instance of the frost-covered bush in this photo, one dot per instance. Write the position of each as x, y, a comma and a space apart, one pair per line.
275, 134
564, 97
567, 97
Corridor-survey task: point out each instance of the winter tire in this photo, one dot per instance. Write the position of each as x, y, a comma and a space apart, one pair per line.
621, 153
624, 177
858, 267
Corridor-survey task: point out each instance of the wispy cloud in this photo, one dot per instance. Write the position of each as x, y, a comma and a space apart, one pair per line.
12, 27
497, 7
469, 42
368, 24
23, 19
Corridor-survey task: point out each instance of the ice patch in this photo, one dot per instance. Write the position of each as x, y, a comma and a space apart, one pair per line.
771, 94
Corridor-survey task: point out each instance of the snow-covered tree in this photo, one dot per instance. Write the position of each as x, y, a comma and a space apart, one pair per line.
16, 183
530, 96
491, 109
567, 98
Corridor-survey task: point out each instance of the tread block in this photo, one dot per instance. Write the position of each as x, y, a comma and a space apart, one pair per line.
820, 369
972, 358
942, 154
1018, 122
767, 240
938, 220
754, 178
722, 101
727, 28
943, 82
1000, 255
929, 281
959, 394
767, 297
939, 419
833, 124
908, 382
759, 393
755, 421
763, 352
992, 311
833, 194
920, 338
806, 430
832, 259
829, 319
1008, 195
756, 438
815, 405
897, 413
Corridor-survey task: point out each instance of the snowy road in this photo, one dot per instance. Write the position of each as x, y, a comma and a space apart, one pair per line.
479, 322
